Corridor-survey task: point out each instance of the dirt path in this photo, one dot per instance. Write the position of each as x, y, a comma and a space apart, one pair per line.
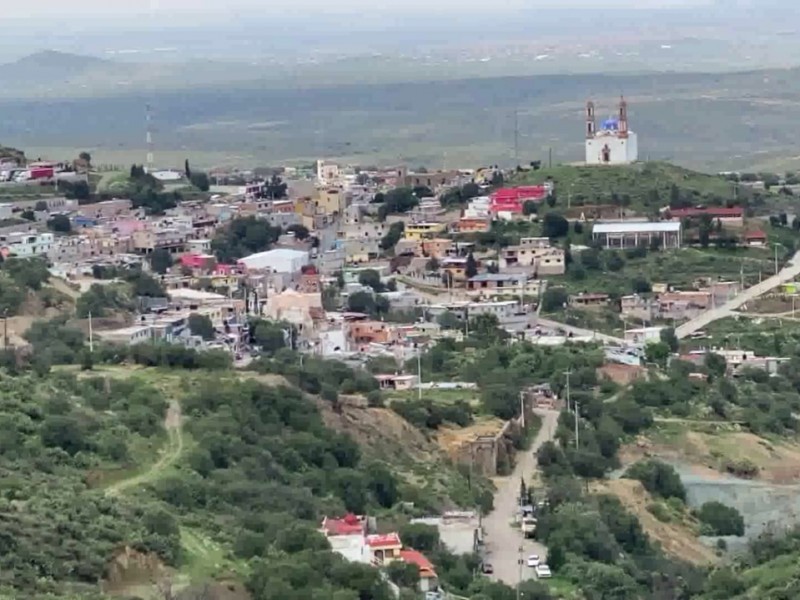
169, 453
502, 540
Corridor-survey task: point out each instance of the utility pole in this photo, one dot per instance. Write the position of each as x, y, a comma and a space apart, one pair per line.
91, 335
577, 435
741, 277
567, 373
516, 138
776, 244
419, 373
519, 581
522, 406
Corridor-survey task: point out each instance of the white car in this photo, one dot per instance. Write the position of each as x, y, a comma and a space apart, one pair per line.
543, 572
533, 560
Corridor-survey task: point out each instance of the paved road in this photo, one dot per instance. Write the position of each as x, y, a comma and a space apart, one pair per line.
502, 540
788, 273
579, 332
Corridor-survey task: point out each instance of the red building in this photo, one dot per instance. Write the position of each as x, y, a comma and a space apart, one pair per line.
512, 199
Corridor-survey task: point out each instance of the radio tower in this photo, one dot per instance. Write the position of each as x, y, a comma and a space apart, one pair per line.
149, 117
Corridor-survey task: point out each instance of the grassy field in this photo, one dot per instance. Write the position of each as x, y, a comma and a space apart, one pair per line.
644, 187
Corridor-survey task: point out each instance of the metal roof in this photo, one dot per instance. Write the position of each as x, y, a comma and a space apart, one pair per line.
634, 227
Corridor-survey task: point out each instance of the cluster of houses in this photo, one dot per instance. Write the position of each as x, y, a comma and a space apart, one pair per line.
350, 537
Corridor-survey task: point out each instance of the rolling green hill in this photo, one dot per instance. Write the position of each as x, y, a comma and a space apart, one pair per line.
647, 186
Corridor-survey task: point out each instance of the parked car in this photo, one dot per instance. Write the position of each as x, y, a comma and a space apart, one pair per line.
533, 560
487, 569
543, 571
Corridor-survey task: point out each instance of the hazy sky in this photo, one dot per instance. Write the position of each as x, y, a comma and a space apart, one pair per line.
106, 9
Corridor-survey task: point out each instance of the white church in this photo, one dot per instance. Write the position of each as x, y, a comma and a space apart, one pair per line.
613, 143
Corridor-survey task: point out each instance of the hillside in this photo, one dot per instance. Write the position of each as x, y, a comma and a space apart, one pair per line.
644, 187
713, 122
168, 476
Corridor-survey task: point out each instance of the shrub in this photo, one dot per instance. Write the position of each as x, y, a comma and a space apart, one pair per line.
658, 478
721, 519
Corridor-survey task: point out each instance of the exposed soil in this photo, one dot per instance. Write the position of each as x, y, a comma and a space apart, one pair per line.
453, 439
707, 453
380, 432
675, 538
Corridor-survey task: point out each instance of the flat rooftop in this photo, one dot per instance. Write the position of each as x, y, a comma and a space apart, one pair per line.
634, 227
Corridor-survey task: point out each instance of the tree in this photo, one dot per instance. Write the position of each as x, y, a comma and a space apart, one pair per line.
400, 200
372, 279
704, 230
721, 519
449, 320
41, 206
667, 335
471, 268
614, 261
389, 241
554, 299
59, 224
201, 325
657, 353
658, 478
187, 170
269, 336
554, 225
420, 536
432, 265
301, 232
86, 157
716, 364
403, 574
590, 259
361, 302
160, 260
641, 285
200, 180
529, 207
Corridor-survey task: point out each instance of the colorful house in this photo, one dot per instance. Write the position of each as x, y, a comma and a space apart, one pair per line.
385, 548
428, 580
511, 200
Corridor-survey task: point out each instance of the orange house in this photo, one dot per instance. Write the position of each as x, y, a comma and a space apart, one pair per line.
384, 548
428, 580
363, 333
473, 225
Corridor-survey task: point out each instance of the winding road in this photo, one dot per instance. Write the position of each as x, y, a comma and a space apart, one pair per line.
502, 539
169, 454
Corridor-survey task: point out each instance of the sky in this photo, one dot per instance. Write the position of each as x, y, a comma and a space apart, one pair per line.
112, 10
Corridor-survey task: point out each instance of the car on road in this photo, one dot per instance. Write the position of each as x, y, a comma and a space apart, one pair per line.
543, 571
487, 569
534, 560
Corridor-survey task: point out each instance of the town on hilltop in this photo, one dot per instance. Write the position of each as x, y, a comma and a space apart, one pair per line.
521, 325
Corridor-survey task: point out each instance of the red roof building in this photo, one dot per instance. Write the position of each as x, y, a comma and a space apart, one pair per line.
755, 238
388, 540
350, 524
428, 580
512, 199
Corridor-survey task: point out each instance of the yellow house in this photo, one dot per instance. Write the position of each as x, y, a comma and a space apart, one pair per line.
419, 231
330, 200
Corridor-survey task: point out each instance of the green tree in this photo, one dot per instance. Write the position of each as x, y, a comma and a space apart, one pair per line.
160, 260
201, 325
471, 268
721, 519
403, 574
554, 299
449, 320
554, 225
389, 241
200, 181
667, 335
59, 224
372, 279
658, 478
269, 336
716, 364
529, 207
420, 536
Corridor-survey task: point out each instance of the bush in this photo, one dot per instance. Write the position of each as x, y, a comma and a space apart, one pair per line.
721, 519
658, 478
554, 298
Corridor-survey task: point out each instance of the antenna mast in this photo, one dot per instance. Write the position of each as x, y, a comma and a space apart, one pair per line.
149, 139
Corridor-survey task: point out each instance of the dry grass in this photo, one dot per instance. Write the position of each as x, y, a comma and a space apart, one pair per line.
452, 439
